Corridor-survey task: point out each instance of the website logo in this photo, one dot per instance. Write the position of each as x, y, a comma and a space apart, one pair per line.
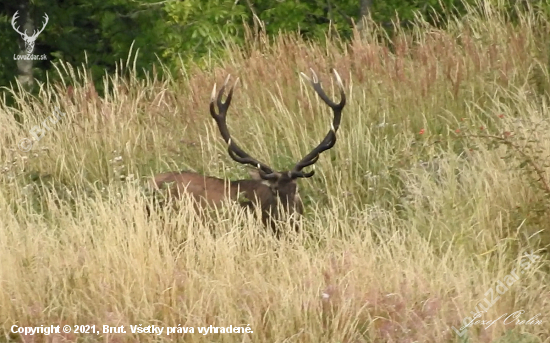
29, 40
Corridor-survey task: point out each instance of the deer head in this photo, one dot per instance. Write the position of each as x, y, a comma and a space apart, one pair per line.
29, 40
275, 192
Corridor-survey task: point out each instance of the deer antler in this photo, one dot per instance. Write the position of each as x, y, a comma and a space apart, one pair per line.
34, 35
330, 139
13, 20
234, 151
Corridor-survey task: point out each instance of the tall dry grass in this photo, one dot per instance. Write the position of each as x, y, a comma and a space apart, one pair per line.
410, 219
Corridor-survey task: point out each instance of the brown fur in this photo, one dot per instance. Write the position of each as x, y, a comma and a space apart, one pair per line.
257, 192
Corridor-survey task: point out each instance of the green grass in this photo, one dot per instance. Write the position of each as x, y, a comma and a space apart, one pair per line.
411, 218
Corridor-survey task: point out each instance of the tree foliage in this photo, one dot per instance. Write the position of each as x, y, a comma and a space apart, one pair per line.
101, 32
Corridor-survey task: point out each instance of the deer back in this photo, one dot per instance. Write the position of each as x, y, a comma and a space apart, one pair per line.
207, 190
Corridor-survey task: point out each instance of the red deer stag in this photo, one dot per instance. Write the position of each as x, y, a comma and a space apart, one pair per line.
268, 189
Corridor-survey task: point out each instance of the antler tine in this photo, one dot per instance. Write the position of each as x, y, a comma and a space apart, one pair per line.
13, 23
43, 25
234, 151
330, 139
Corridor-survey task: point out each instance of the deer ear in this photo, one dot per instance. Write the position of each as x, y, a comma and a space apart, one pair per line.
255, 174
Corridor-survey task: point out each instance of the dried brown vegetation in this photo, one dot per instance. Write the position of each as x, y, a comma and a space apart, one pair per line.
407, 224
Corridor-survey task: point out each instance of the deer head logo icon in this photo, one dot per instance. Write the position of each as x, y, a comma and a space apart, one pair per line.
29, 40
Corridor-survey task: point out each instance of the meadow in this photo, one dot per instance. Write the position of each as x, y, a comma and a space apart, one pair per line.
432, 206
